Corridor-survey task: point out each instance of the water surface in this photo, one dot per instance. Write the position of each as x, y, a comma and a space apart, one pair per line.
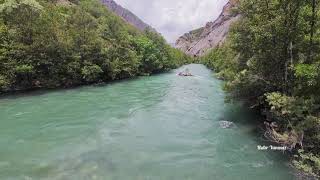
162, 127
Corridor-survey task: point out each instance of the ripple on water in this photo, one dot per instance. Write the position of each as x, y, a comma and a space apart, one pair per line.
159, 127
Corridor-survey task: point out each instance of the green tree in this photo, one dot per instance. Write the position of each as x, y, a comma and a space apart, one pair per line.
272, 61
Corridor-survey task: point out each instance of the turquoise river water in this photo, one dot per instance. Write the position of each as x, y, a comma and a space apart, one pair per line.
162, 127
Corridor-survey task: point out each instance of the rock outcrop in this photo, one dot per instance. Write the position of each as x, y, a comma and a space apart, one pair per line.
199, 41
126, 15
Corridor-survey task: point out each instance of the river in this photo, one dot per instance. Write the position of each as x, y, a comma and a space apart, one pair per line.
162, 127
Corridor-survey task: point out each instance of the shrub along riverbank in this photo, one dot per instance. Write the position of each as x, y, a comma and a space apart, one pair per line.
272, 61
49, 44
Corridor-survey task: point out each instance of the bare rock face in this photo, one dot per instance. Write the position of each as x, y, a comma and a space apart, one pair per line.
127, 15
199, 41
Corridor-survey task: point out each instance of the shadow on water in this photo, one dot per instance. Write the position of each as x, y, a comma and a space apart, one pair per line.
251, 123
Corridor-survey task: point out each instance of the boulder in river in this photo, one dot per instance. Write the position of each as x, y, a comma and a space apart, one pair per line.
226, 124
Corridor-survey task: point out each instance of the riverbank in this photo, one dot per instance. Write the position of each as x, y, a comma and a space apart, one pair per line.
275, 67
274, 108
58, 88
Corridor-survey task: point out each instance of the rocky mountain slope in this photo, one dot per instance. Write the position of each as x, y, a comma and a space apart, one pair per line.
199, 41
126, 15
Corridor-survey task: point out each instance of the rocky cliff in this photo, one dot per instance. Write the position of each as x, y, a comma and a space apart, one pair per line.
199, 41
126, 15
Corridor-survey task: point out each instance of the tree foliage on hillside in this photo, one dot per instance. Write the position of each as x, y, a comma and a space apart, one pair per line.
272, 60
48, 44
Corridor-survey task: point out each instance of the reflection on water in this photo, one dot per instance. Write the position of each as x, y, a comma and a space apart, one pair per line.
159, 127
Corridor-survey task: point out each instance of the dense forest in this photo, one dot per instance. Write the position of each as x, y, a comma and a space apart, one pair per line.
49, 44
271, 61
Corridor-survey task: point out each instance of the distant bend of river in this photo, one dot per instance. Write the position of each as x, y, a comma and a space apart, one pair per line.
163, 127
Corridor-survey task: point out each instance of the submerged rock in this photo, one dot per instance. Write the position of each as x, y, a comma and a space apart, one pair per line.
226, 124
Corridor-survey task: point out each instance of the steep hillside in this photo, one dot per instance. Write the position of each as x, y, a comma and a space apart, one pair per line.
199, 41
126, 15
45, 45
